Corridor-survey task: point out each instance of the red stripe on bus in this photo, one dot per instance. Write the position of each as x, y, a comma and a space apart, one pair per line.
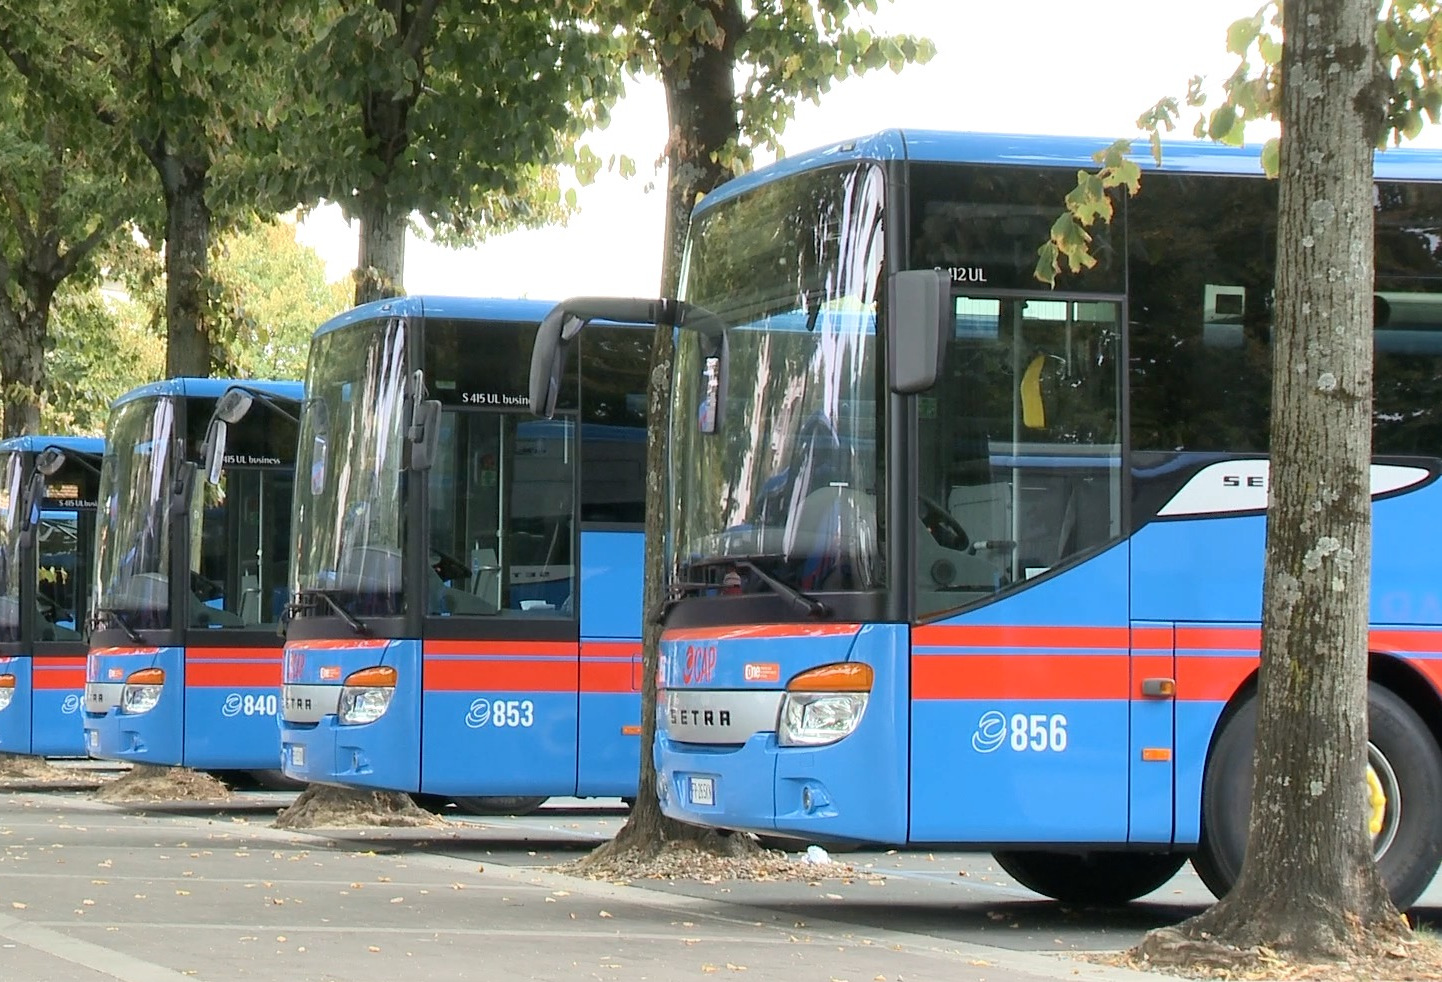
1403, 642
236, 654
52, 677
1020, 676
519, 675
1212, 678
611, 649
336, 644
59, 661
608, 676
1218, 638
118, 652
765, 631
1020, 636
1153, 639
219, 675
519, 649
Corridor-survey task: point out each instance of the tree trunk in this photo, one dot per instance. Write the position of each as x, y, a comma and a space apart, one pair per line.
701, 105
187, 245
23, 325
1309, 887
380, 268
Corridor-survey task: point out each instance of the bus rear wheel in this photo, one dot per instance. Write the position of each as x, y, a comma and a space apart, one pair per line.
1405, 793
500, 805
1103, 879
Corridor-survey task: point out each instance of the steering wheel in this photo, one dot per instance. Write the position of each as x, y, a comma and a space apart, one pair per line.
448, 567
943, 526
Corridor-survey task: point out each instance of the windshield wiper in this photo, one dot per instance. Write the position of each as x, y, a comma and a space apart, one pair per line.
124, 622
353, 622
812, 605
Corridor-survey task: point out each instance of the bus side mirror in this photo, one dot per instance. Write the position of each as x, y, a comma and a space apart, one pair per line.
425, 433
918, 319
561, 325
215, 449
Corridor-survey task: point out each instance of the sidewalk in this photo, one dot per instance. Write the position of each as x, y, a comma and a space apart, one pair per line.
92, 892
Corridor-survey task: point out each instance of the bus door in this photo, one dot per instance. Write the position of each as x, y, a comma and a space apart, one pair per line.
1021, 710
502, 647
238, 548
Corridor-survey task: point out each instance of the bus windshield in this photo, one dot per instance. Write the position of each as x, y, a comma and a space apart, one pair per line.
788, 487
11, 491
347, 521
132, 545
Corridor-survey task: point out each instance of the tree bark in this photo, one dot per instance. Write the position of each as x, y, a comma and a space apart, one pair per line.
380, 267
1309, 887
701, 106
187, 246
23, 323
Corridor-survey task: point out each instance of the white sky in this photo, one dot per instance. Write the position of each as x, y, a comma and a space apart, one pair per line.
1029, 66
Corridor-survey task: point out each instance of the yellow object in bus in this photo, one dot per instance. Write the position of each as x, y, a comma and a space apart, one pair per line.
1033, 414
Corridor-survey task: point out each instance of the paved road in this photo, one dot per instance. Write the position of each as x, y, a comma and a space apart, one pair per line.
90, 891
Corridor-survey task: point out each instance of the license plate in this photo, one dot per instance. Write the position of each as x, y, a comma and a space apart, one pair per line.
703, 791
297, 756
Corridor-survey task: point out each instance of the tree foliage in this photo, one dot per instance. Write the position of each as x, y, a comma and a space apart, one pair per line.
60, 200
455, 112
188, 84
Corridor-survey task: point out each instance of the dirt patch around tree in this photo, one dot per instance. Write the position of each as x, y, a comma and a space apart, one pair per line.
736, 857
324, 806
149, 783
1414, 959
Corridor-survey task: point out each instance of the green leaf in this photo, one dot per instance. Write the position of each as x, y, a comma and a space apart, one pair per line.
1272, 157
1242, 33
1224, 119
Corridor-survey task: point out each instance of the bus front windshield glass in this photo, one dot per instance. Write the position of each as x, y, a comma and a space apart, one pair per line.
132, 544
346, 523
12, 472
788, 487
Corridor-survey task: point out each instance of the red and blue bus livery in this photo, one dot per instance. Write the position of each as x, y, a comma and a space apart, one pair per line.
47, 532
185, 662
969, 562
466, 617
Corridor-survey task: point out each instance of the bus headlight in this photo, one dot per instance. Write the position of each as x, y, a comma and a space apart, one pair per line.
366, 695
823, 705
142, 691
7, 690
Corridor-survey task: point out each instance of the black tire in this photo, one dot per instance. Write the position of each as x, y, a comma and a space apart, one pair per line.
1397, 733
498, 805
1097, 879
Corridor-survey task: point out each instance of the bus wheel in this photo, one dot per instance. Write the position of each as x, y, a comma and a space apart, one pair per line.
497, 805
1404, 783
1101, 879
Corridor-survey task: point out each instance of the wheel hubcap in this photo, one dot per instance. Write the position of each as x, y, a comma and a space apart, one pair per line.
1384, 801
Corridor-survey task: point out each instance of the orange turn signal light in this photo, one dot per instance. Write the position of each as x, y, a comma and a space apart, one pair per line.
146, 676
7, 681
376, 677
844, 677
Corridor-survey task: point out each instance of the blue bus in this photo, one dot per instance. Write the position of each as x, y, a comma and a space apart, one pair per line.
967, 561
189, 577
48, 487
466, 618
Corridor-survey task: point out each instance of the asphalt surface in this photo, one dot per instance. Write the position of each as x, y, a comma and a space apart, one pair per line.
92, 891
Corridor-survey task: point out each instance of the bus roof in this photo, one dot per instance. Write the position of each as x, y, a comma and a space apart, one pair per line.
455, 308
211, 388
1030, 150
35, 444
